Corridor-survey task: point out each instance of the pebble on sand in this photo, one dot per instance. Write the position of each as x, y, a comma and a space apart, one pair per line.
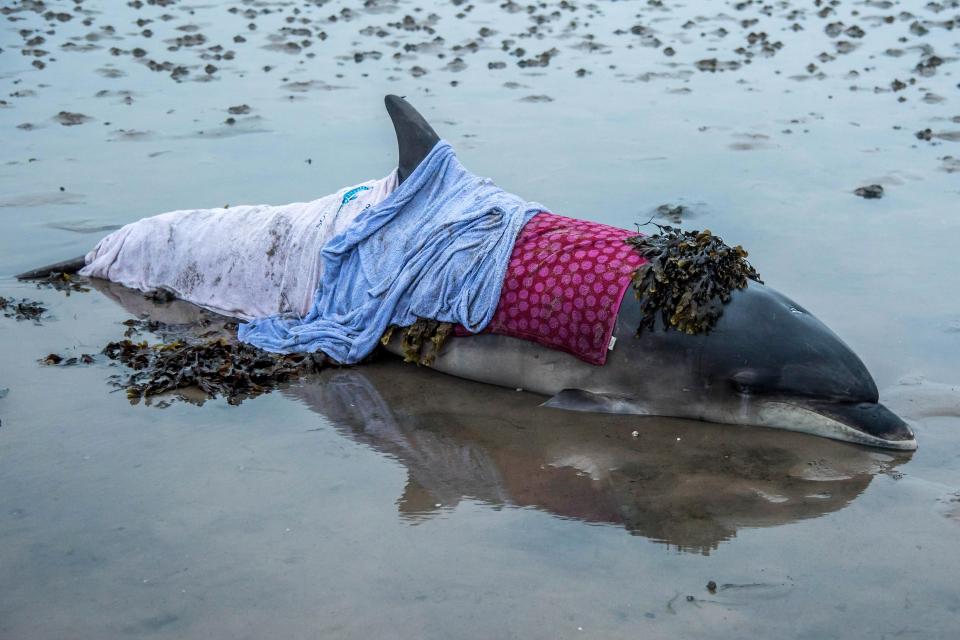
870, 192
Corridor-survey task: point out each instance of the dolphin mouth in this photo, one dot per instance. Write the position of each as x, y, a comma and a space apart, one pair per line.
867, 423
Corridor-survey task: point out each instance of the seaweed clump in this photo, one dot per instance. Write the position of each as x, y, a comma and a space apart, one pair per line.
22, 309
421, 341
218, 367
63, 282
194, 361
688, 277
57, 360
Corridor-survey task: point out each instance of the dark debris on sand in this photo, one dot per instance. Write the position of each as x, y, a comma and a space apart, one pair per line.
220, 367
870, 192
739, 35
159, 296
22, 309
57, 360
687, 278
66, 283
69, 119
201, 356
421, 341
673, 213
193, 362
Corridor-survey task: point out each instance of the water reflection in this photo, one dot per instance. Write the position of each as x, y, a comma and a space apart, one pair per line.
685, 484
176, 313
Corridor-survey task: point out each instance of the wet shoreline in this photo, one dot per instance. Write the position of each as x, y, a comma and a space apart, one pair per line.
434, 507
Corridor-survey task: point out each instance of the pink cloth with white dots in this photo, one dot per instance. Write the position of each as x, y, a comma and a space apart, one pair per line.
564, 285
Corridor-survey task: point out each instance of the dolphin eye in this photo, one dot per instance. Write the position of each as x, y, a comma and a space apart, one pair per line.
743, 388
752, 384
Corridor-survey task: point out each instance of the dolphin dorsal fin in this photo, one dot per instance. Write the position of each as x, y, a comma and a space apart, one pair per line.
415, 138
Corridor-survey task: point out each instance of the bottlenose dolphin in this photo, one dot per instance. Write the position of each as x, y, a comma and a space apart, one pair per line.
768, 362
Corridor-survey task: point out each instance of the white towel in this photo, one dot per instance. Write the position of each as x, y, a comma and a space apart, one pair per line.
245, 261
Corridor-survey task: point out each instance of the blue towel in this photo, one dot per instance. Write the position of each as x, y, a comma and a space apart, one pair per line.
436, 248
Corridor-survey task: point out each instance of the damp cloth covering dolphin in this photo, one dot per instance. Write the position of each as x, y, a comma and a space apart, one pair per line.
244, 261
436, 248
564, 285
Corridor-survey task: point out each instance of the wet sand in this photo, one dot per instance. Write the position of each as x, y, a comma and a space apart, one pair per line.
391, 501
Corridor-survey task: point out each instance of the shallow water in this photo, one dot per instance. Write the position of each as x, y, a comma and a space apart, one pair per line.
391, 501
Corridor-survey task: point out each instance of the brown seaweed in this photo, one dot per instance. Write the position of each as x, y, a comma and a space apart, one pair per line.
220, 367
870, 192
57, 360
688, 277
23, 309
63, 282
421, 341
194, 361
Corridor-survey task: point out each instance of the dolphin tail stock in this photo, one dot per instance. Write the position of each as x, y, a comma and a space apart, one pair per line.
415, 137
66, 266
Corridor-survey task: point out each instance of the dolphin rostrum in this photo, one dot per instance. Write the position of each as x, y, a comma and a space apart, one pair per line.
768, 362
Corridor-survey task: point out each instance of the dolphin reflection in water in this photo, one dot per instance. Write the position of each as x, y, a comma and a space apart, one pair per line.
679, 482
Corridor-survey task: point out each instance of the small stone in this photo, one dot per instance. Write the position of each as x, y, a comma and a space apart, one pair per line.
870, 192
68, 119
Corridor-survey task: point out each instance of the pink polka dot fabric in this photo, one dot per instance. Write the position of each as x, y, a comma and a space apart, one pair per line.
564, 285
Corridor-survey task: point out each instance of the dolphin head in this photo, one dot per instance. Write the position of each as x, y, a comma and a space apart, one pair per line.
784, 368
768, 362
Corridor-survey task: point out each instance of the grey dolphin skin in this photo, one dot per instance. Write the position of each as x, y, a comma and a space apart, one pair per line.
415, 137
768, 362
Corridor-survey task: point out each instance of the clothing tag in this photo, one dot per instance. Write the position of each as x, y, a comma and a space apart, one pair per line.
613, 343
